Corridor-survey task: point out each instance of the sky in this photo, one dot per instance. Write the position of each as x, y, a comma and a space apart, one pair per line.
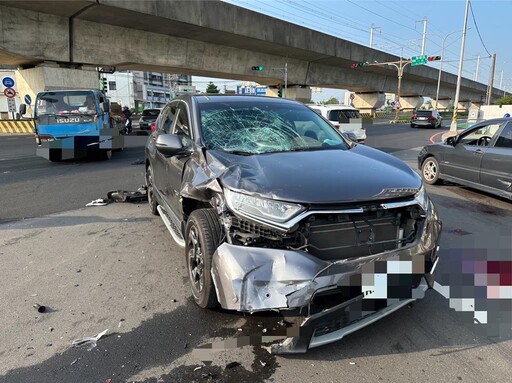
399, 25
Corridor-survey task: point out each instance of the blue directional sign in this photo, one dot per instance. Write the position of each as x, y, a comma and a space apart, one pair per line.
28, 99
8, 82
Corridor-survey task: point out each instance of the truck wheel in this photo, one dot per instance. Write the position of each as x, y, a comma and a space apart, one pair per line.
430, 171
202, 237
153, 204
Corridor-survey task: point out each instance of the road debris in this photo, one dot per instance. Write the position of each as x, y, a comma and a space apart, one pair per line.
138, 162
39, 308
140, 195
232, 365
198, 368
73, 362
352, 363
92, 340
263, 364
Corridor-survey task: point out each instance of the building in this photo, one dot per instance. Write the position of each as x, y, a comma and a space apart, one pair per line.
120, 88
155, 89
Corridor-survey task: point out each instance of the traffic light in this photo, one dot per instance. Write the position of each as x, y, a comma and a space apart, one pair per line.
359, 65
279, 90
258, 68
103, 84
434, 58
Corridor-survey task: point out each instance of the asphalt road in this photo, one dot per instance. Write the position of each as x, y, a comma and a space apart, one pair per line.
116, 268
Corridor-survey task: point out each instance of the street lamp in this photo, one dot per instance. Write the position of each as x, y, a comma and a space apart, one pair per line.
441, 64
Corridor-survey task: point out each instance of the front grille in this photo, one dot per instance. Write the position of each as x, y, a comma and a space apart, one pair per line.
342, 236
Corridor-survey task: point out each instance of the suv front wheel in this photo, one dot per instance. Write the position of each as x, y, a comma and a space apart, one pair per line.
202, 237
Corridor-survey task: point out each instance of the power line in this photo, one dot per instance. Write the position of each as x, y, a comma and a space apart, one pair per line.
480, 36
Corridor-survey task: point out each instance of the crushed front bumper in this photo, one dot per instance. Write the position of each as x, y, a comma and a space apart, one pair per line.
251, 279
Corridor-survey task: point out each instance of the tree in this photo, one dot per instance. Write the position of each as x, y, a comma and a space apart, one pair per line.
505, 100
332, 100
212, 88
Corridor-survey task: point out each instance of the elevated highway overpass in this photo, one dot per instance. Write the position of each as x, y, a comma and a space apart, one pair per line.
205, 38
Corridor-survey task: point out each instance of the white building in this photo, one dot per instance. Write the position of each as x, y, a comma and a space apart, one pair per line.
120, 88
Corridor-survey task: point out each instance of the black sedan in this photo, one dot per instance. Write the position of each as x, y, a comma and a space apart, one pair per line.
479, 157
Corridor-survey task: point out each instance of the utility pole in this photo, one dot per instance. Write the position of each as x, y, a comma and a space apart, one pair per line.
424, 39
441, 65
373, 28
453, 127
475, 77
491, 80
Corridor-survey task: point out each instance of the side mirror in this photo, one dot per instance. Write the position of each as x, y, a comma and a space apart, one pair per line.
105, 107
18, 116
350, 136
23, 109
451, 141
169, 144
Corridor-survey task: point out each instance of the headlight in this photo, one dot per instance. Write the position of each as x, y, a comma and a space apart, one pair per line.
266, 209
422, 198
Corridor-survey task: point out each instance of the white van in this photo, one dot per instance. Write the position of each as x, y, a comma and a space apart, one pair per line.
344, 118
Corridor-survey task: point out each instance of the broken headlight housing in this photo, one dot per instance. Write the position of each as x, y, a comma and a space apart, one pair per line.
261, 208
422, 198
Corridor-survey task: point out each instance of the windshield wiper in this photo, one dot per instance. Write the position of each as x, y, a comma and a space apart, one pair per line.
240, 152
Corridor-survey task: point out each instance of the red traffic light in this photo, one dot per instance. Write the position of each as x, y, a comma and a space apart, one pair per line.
434, 58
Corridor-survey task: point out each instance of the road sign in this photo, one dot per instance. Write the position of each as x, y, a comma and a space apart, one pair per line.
28, 100
9, 92
8, 82
11, 105
419, 60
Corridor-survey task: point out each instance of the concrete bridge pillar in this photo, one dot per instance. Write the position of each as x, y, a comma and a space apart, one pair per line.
34, 80
442, 104
369, 102
463, 106
409, 103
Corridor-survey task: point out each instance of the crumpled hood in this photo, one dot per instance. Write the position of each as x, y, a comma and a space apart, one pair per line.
324, 176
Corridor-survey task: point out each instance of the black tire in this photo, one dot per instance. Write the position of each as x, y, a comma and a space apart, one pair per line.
152, 202
430, 171
202, 237
413, 126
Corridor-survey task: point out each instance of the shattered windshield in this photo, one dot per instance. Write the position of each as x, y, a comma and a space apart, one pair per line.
64, 103
264, 127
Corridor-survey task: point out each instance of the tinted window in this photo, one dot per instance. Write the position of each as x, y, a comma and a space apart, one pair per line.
151, 112
343, 115
505, 138
182, 125
167, 119
424, 113
477, 136
265, 127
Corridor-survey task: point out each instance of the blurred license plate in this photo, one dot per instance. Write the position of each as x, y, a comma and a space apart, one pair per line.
422, 118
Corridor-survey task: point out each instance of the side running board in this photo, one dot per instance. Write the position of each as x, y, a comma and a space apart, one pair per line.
173, 229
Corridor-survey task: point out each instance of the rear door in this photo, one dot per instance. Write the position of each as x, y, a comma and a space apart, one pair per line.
496, 170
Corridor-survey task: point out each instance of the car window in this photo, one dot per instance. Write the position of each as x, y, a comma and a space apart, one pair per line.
182, 125
505, 138
480, 136
265, 127
343, 115
150, 112
167, 119
424, 113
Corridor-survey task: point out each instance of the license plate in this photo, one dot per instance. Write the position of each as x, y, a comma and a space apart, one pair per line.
422, 118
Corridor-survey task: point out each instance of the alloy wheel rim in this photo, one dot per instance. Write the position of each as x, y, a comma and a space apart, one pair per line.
430, 171
195, 260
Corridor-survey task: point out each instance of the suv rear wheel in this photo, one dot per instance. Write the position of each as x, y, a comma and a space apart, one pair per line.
202, 237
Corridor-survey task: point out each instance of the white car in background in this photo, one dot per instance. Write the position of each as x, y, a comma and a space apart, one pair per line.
344, 118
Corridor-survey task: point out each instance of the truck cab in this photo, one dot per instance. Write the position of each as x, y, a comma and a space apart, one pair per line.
74, 124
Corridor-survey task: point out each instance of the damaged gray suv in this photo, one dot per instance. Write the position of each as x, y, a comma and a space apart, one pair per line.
276, 210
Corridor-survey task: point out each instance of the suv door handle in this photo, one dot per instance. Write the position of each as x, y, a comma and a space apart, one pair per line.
478, 151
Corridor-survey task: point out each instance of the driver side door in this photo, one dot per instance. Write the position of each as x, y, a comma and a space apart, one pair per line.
465, 160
